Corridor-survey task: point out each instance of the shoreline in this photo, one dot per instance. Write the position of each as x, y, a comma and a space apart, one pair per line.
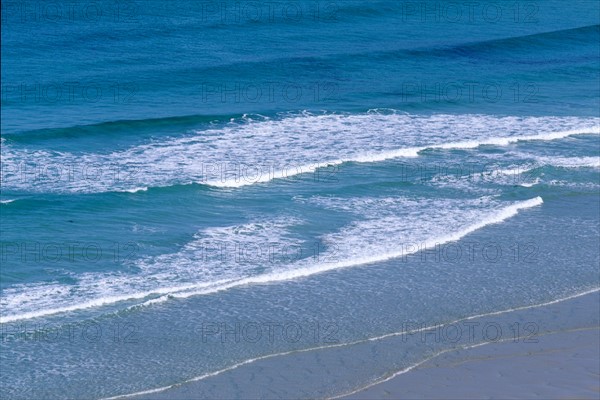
567, 320
561, 365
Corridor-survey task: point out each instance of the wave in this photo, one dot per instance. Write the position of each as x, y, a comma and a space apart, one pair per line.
567, 38
210, 263
530, 184
136, 190
554, 161
571, 162
250, 152
363, 259
575, 185
119, 128
519, 46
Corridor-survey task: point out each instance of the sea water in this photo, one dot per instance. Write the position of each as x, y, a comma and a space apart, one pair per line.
191, 186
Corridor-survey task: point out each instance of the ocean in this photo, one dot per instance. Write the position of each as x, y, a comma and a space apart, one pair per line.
190, 186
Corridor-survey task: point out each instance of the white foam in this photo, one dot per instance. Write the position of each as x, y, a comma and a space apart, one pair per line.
472, 181
257, 151
136, 190
514, 171
369, 241
372, 256
575, 185
571, 162
530, 184
387, 228
212, 258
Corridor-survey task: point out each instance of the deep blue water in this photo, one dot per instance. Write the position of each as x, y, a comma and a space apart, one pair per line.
187, 185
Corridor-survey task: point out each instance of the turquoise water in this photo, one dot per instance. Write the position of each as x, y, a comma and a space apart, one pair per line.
187, 186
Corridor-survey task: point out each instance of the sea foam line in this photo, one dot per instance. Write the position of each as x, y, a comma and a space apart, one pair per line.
499, 216
407, 152
213, 287
163, 294
275, 149
361, 341
459, 348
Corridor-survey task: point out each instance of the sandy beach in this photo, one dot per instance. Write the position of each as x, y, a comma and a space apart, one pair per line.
563, 365
558, 361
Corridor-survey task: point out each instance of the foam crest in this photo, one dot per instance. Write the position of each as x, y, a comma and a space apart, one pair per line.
215, 256
571, 162
388, 228
250, 151
369, 242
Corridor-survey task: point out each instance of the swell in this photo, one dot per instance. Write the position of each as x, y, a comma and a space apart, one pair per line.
559, 39
565, 38
319, 65
315, 65
120, 128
